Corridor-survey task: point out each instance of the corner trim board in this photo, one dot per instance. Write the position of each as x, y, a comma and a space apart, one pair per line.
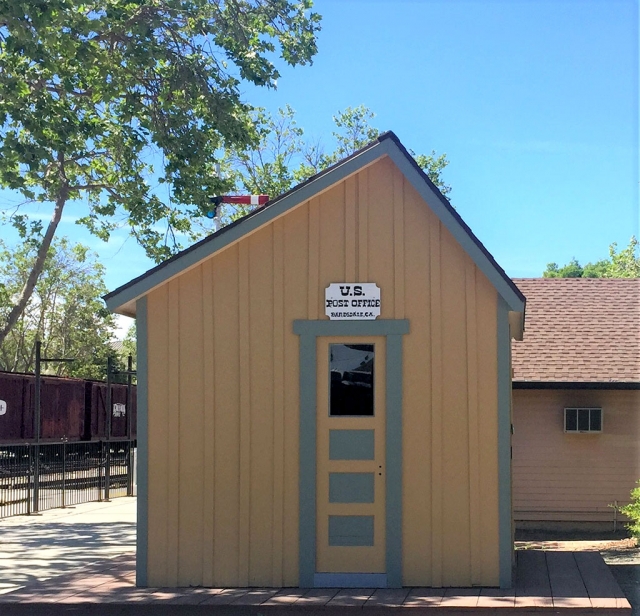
142, 367
505, 518
309, 331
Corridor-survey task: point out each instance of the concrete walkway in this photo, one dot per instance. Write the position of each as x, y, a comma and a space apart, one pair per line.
59, 542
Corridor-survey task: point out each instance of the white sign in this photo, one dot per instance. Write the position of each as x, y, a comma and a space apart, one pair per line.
119, 409
352, 301
3, 407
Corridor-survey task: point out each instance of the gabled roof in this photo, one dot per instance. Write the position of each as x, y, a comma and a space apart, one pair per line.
123, 299
579, 330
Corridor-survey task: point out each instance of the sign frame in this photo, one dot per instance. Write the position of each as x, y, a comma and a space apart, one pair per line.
352, 301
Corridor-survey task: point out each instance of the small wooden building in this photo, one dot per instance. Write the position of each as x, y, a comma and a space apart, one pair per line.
325, 392
576, 402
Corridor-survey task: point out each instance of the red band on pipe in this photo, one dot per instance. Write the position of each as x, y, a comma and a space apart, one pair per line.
245, 199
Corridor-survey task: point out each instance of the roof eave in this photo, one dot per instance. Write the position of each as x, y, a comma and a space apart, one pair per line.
131, 291
123, 299
610, 385
454, 223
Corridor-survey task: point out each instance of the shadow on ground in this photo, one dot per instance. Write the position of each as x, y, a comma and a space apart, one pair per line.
29, 554
628, 577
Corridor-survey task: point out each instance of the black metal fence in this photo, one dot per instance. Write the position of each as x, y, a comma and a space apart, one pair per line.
39, 476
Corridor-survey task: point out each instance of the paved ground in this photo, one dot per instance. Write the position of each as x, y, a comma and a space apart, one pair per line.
72, 550
59, 541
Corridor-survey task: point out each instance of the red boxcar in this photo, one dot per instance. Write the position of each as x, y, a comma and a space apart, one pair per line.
119, 410
16, 402
71, 409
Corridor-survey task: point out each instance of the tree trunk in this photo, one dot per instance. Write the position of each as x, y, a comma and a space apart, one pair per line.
41, 255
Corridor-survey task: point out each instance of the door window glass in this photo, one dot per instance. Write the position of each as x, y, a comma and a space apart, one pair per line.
351, 385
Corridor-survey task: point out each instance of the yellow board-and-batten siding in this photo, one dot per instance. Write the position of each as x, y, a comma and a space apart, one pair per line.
224, 390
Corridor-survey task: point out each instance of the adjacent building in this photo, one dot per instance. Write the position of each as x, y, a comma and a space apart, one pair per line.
576, 402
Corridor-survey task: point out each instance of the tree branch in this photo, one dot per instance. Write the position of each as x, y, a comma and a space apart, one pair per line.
88, 187
41, 255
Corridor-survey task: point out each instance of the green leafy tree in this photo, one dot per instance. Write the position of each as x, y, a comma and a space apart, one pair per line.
270, 167
626, 262
354, 132
283, 157
623, 263
573, 269
65, 311
94, 94
129, 347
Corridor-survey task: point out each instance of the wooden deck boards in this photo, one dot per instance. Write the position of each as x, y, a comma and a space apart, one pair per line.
567, 587
602, 587
532, 586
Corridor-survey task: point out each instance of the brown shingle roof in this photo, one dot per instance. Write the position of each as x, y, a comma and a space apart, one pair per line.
579, 330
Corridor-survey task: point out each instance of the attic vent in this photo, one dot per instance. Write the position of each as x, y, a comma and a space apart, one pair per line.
583, 420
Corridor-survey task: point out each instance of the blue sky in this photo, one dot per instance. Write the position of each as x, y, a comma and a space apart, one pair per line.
534, 102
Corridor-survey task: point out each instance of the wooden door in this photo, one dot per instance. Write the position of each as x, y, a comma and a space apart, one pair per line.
350, 519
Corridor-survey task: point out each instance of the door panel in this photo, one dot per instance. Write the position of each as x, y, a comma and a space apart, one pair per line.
350, 454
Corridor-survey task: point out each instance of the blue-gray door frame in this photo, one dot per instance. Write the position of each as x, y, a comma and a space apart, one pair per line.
309, 331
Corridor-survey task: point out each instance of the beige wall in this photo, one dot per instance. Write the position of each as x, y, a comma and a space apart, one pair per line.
224, 393
573, 477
